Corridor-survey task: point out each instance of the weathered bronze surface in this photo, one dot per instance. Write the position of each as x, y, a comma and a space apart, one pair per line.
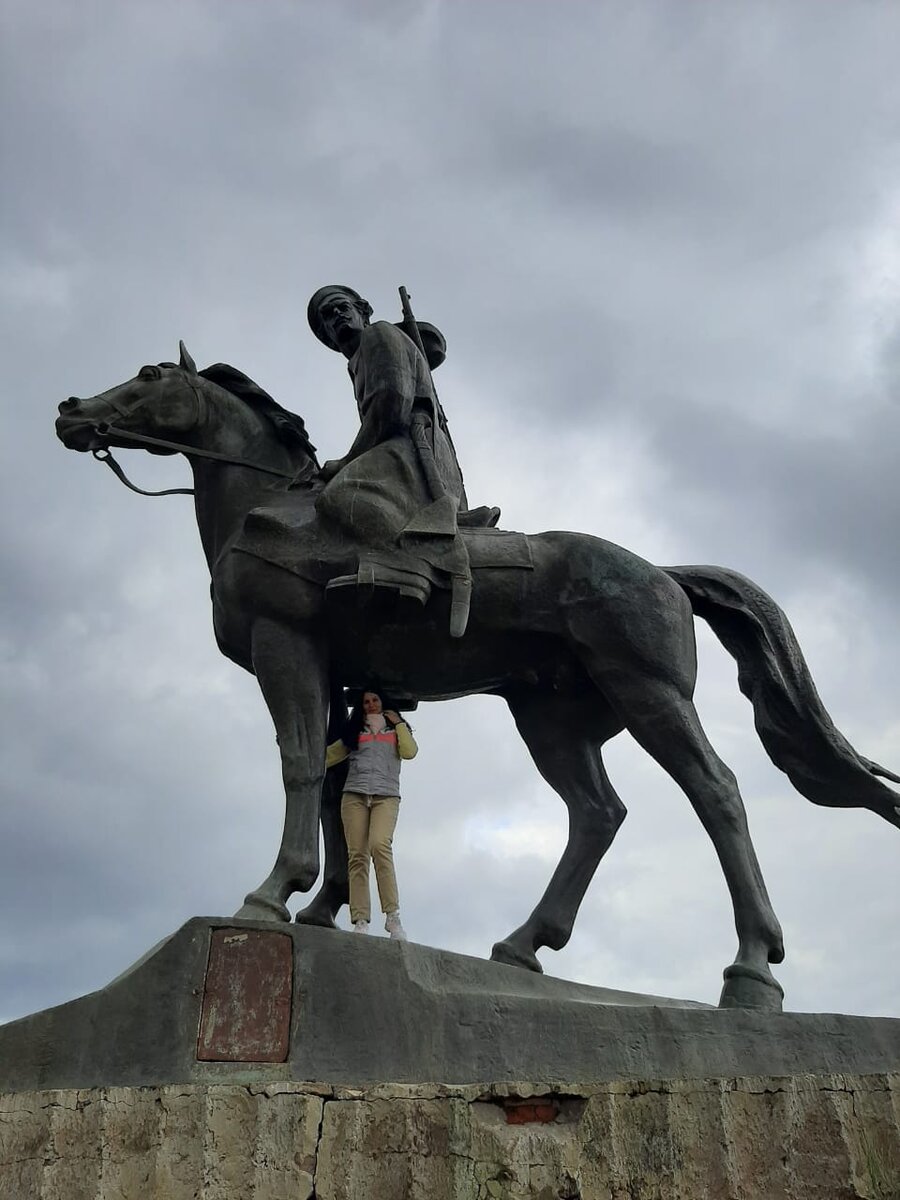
357, 574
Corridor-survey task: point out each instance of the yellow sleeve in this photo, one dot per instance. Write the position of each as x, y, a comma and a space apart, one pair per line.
335, 754
406, 743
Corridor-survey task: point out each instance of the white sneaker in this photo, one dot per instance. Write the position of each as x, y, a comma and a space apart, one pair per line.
360, 926
393, 926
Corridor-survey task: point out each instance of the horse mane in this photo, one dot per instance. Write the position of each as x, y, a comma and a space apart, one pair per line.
289, 428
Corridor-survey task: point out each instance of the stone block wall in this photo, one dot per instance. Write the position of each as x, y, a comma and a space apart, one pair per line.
824, 1137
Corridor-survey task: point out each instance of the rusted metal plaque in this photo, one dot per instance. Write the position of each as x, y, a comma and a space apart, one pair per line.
246, 1014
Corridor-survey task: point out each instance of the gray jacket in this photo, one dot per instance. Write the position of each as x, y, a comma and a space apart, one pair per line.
375, 764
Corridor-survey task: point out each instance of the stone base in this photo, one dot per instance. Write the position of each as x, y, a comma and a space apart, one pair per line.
226, 1001
188, 1078
826, 1137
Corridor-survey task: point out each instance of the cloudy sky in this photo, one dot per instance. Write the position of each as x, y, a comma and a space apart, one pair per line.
662, 241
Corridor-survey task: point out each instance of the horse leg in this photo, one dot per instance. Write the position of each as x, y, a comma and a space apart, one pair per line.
292, 672
662, 718
335, 889
334, 892
564, 738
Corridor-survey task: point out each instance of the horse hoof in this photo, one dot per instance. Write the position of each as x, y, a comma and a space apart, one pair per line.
748, 987
508, 953
260, 908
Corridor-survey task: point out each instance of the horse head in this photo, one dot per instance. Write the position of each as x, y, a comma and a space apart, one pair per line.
162, 402
217, 413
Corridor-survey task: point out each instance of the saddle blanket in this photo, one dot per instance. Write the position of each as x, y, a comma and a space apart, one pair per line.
275, 534
498, 548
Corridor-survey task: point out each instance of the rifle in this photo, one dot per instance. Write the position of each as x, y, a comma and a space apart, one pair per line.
424, 448
410, 322
461, 588
411, 327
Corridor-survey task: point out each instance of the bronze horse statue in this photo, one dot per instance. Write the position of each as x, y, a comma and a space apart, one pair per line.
580, 637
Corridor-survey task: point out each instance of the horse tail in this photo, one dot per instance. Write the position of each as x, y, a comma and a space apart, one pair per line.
792, 722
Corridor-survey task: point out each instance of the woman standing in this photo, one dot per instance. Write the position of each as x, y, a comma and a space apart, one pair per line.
375, 741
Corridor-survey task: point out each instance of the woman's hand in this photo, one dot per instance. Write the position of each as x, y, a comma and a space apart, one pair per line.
392, 717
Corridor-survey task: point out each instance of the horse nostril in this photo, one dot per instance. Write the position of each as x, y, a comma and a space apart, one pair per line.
68, 405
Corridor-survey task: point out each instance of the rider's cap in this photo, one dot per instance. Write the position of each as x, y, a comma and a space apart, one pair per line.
432, 339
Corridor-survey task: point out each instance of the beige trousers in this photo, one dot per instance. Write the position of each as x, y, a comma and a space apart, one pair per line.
369, 830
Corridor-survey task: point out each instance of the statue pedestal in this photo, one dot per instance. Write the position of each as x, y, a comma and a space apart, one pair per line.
242, 1060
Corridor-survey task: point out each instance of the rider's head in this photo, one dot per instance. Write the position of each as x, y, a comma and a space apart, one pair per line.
337, 316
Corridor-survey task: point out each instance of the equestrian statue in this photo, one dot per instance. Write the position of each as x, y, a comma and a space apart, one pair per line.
373, 567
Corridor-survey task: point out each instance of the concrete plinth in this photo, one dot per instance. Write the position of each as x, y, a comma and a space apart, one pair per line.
239, 1001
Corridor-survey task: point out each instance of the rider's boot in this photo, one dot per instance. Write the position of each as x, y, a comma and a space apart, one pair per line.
372, 575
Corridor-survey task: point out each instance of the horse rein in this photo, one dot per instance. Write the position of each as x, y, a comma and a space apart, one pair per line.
104, 454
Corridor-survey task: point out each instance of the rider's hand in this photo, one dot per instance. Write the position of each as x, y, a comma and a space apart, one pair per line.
392, 717
331, 468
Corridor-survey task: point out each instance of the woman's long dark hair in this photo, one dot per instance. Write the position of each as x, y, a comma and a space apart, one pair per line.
357, 719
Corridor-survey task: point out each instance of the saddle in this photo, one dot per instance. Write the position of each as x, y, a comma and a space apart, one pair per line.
430, 551
289, 536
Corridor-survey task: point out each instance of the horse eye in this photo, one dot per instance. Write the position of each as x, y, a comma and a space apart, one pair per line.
149, 373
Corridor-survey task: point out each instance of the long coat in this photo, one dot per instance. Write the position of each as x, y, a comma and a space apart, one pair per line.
383, 489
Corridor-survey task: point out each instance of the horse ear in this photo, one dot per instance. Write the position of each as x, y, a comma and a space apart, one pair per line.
186, 361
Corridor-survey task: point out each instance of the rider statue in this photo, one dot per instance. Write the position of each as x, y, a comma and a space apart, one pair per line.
399, 489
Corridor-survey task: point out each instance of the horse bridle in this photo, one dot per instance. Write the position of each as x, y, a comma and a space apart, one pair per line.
104, 454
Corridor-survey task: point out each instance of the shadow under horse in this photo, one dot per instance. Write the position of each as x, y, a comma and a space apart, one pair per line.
580, 637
